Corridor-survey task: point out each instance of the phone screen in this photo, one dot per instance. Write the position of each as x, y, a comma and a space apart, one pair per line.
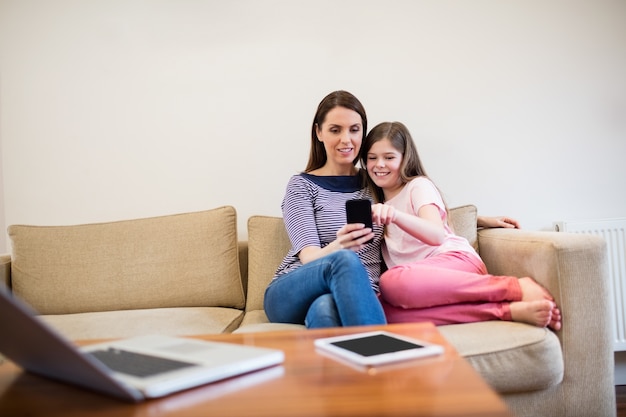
376, 345
359, 211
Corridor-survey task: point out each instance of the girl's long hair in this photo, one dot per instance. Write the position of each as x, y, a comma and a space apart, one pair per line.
400, 138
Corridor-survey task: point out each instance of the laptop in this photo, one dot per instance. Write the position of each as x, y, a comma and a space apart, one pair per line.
132, 369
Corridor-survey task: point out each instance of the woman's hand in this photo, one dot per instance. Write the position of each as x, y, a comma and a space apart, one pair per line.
351, 236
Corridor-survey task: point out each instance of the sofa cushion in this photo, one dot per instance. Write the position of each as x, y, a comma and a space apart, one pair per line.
256, 321
464, 220
268, 244
180, 321
182, 260
5, 270
511, 357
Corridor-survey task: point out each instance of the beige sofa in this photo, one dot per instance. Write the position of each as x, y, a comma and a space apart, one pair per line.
189, 274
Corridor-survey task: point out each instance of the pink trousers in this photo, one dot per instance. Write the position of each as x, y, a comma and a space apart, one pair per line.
445, 289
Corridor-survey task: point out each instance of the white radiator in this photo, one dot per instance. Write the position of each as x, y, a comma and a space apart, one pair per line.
613, 231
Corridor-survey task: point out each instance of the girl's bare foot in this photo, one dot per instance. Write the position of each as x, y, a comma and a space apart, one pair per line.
533, 291
538, 313
555, 321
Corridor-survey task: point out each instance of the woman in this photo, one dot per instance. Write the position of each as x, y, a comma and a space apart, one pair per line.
435, 275
328, 276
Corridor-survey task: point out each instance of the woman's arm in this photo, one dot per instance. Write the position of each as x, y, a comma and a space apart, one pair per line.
351, 236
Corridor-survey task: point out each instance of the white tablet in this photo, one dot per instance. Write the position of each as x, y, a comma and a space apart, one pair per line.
377, 347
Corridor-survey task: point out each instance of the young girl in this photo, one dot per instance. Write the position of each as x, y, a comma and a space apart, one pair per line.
434, 275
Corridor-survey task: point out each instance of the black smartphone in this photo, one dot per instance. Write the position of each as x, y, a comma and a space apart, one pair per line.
359, 211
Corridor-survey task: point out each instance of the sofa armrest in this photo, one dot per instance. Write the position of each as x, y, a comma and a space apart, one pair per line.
574, 267
5, 270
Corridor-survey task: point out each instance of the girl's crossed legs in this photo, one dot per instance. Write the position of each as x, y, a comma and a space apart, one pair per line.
455, 288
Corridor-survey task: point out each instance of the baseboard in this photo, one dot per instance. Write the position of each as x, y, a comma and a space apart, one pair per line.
620, 368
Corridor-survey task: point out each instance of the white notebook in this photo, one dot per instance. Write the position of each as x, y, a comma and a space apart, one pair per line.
131, 369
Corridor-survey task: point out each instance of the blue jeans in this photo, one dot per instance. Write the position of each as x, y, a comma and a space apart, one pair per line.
329, 292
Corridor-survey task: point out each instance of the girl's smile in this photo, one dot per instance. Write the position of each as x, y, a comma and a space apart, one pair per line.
383, 166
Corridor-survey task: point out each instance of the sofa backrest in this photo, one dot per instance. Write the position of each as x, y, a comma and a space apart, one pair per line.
268, 244
179, 260
464, 220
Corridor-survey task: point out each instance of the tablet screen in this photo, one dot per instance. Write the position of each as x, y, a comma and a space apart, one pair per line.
376, 345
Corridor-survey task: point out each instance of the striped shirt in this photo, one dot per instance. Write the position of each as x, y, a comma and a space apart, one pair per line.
314, 208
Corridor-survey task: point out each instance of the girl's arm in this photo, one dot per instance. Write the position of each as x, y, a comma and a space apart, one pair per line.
427, 226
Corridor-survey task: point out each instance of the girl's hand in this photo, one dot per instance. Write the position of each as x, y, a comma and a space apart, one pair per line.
383, 214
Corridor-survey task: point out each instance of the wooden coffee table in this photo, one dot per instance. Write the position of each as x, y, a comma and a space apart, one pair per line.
308, 384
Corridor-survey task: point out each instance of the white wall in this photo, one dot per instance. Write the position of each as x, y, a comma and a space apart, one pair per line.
120, 109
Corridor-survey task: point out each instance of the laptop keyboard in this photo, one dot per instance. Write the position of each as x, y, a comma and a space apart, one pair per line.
137, 364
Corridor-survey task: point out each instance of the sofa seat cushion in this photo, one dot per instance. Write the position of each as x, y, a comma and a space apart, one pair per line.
256, 321
184, 321
511, 357
181, 260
